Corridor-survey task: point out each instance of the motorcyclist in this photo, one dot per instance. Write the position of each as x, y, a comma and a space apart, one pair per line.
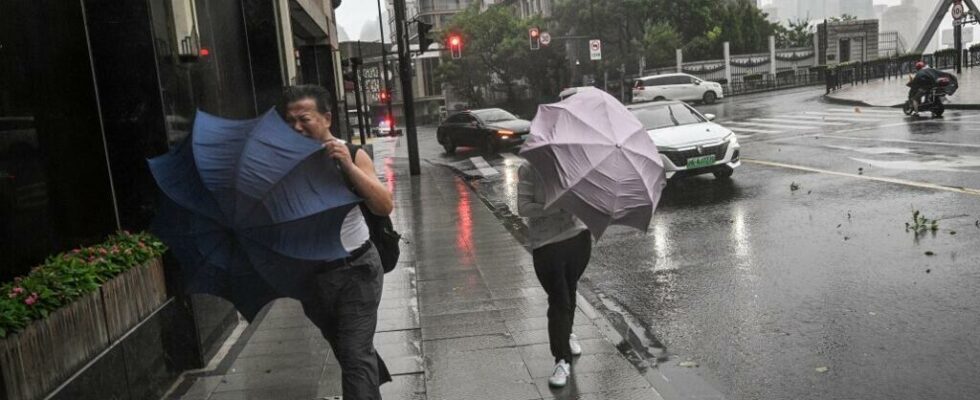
924, 79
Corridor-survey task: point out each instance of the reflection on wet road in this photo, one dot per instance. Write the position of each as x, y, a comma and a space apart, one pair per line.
796, 278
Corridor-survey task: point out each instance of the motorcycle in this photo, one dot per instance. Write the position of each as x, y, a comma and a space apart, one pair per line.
934, 99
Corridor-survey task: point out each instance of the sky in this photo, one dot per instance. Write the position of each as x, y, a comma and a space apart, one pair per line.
353, 14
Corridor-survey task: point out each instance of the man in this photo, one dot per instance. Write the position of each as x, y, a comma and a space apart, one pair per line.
920, 83
348, 291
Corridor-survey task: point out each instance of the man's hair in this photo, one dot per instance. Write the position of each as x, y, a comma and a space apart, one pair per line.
292, 94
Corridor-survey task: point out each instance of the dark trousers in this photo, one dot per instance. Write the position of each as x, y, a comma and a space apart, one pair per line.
346, 311
559, 267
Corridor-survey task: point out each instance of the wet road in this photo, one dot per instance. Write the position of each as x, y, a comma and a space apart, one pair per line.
813, 293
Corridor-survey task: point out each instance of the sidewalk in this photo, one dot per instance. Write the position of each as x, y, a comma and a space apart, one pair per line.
462, 317
893, 93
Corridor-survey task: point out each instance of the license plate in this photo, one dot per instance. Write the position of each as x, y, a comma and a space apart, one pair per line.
698, 162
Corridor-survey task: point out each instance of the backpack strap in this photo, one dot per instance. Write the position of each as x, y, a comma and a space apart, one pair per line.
353, 149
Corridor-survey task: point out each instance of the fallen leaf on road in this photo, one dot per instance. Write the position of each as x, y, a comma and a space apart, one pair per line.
857, 110
794, 186
872, 313
822, 369
928, 271
929, 253
688, 364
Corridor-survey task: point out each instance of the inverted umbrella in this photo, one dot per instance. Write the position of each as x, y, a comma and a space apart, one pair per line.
250, 209
596, 161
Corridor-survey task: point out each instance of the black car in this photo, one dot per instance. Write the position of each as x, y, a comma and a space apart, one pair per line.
489, 129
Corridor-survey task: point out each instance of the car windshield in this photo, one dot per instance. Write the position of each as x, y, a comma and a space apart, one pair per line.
667, 115
495, 115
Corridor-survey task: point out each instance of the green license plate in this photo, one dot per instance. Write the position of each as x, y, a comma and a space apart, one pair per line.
698, 162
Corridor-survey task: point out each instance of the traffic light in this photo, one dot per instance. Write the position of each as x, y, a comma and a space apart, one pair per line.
534, 34
424, 40
455, 46
383, 96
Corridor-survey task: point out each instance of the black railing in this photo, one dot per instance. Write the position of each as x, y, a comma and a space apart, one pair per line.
901, 67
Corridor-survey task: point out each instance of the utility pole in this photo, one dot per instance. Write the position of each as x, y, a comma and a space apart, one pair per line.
408, 99
384, 67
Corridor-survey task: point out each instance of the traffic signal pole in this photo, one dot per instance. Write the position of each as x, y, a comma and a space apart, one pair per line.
408, 99
384, 70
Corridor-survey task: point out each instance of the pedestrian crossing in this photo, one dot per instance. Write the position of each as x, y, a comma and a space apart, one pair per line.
829, 119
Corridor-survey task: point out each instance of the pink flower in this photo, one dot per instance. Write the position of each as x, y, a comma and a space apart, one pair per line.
18, 290
76, 251
31, 300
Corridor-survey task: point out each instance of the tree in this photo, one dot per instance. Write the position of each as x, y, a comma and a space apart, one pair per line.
797, 34
660, 40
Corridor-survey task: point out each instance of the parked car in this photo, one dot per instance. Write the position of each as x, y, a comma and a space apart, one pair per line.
384, 129
689, 143
676, 87
489, 129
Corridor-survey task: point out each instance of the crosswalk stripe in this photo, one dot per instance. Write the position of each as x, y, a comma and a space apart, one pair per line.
790, 121
837, 114
777, 126
739, 129
483, 166
863, 111
807, 118
903, 141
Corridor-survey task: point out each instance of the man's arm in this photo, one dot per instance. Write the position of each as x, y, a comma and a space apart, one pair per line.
361, 175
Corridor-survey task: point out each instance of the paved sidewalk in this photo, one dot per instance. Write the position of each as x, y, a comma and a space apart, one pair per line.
462, 317
893, 92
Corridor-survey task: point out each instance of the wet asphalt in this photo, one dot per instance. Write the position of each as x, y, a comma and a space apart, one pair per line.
797, 278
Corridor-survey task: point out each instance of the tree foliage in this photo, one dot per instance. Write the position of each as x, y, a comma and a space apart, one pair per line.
796, 34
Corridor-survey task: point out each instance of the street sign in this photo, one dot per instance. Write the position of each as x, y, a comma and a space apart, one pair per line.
958, 11
545, 38
595, 50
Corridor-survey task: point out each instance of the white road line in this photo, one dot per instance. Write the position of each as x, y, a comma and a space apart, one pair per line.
739, 129
829, 114
923, 185
483, 166
805, 118
919, 142
777, 126
863, 110
790, 121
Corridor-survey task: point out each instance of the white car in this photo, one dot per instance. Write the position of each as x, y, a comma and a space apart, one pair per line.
676, 87
689, 143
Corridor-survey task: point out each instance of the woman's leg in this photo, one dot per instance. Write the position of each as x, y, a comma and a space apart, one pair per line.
549, 266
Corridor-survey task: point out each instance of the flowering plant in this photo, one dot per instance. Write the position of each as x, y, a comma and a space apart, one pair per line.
67, 276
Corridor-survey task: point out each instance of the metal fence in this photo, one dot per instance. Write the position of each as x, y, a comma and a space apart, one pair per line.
894, 68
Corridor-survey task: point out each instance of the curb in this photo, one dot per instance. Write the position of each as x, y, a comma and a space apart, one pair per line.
858, 103
634, 342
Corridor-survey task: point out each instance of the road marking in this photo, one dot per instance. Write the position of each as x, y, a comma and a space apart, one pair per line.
777, 126
922, 185
920, 142
790, 121
863, 111
829, 114
739, 129
483, 166
847, 119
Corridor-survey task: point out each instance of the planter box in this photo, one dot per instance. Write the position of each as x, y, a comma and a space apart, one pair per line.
47, 352
132, 296
38, 359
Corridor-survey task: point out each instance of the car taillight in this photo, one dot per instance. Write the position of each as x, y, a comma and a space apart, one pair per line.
638, 87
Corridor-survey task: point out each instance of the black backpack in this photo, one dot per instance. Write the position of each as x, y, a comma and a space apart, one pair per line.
383, 233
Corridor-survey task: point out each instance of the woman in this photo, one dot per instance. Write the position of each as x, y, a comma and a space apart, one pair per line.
561, 249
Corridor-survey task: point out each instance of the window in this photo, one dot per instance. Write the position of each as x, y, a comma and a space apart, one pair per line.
666, 116
495, 115
677, 80
458, 119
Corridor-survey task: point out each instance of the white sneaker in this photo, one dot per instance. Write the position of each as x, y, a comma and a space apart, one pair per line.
573, 343
559, 378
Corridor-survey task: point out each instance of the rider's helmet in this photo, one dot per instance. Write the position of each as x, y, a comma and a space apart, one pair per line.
920, 65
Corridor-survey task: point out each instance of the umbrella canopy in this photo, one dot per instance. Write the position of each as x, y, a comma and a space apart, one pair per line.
596, 161
250, 209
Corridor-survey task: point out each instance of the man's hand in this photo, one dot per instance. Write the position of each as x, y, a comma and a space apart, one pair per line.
338, 151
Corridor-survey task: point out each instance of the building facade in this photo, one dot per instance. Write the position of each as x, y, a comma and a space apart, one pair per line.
90, 90
848, 41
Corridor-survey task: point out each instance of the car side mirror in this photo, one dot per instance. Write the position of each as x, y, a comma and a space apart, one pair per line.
697, 83
710, 117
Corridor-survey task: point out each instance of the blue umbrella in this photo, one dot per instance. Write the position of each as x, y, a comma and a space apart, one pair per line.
250, 209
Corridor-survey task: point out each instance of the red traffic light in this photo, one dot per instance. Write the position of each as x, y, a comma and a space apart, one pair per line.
454, 41
534, 32
383, 95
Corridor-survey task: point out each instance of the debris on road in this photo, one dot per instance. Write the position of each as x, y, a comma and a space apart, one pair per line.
794, 186
688, 364
921, 224
822, 369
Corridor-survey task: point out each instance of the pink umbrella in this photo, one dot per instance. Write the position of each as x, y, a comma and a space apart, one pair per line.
596, 161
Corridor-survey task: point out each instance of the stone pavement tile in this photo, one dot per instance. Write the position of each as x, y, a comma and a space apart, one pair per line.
436, 349
200, 390
398, 319
614, 380
292, 378
535, 311
314, 344
627, 394
461, 318
452, 277
522, 293
404, 387
541, 351
397, 294
397, 303
463, 294
463, 330
282, 335
541, 336
278, 321
411, 337
494, 374
457, 307
276, 363
521, 302
538, 323
586, 363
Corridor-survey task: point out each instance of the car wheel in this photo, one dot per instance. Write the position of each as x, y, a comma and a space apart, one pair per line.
449, 146
709, 97
724, 173
489, 145
659, 98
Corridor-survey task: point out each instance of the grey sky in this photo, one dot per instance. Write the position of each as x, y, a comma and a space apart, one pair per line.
353, 14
